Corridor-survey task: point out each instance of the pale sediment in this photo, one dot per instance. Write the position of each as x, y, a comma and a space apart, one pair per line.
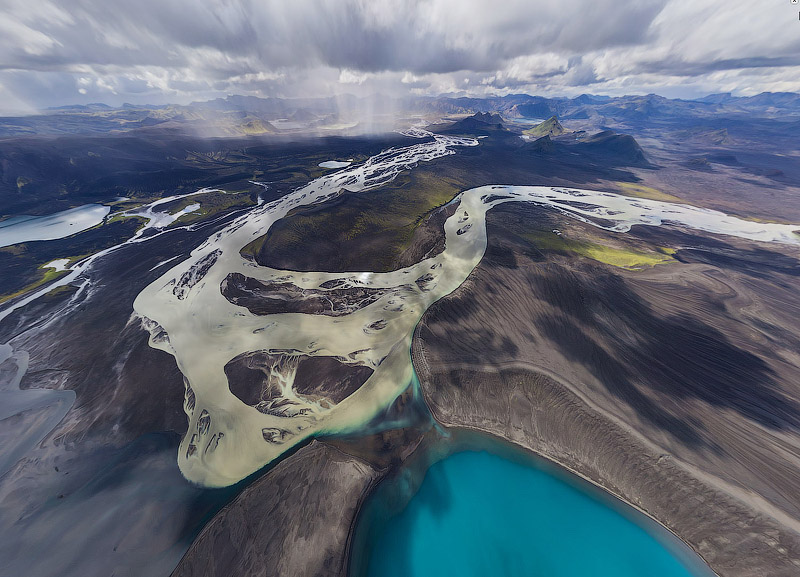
217, 306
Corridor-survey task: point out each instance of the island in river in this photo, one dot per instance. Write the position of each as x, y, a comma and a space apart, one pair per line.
616, 335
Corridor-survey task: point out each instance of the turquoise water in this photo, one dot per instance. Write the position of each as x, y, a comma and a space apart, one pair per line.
478, 514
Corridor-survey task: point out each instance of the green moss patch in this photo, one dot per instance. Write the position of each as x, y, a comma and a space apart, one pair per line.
364, 231
623, 258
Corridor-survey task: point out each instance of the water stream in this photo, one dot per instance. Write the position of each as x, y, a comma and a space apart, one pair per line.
188, 316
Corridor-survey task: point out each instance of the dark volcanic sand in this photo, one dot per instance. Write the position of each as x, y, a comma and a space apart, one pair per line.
294, 521
102, 494
323, 377
676, 387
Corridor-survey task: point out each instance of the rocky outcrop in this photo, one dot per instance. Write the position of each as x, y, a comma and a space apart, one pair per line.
550, 127
267, 298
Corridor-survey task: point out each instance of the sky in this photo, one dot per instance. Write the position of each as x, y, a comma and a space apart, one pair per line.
58, 52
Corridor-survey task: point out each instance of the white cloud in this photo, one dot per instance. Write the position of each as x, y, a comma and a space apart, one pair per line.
347, 76
157, 50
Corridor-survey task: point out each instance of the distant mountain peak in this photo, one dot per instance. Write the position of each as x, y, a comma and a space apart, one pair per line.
480, 124
488, 117
621, 148
550, 127
543, 145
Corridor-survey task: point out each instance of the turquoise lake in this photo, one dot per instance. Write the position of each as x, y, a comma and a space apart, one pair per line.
479, 514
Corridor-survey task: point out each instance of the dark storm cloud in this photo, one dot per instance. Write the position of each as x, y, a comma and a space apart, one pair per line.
685, 68
420, 36
187, 48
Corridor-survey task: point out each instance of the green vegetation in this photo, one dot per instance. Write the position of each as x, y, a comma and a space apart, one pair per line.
642, 191
255, 126
22, 264
367, 231
253, 248
765, 220
623, 258
46, 275
550, 127
61, 290
120, 217
415, 200
25, 262
210, 204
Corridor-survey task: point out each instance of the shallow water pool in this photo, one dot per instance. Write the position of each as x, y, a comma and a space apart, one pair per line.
26, 228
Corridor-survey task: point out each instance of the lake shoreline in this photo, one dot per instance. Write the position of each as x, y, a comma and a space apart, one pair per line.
448, 440
655, 486
26, 228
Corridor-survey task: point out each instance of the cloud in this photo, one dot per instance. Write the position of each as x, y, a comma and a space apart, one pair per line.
347, 76
413, 81
181, 50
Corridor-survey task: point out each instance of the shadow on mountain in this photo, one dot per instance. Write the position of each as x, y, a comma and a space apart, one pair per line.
752, 260
616, 335
670, 360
